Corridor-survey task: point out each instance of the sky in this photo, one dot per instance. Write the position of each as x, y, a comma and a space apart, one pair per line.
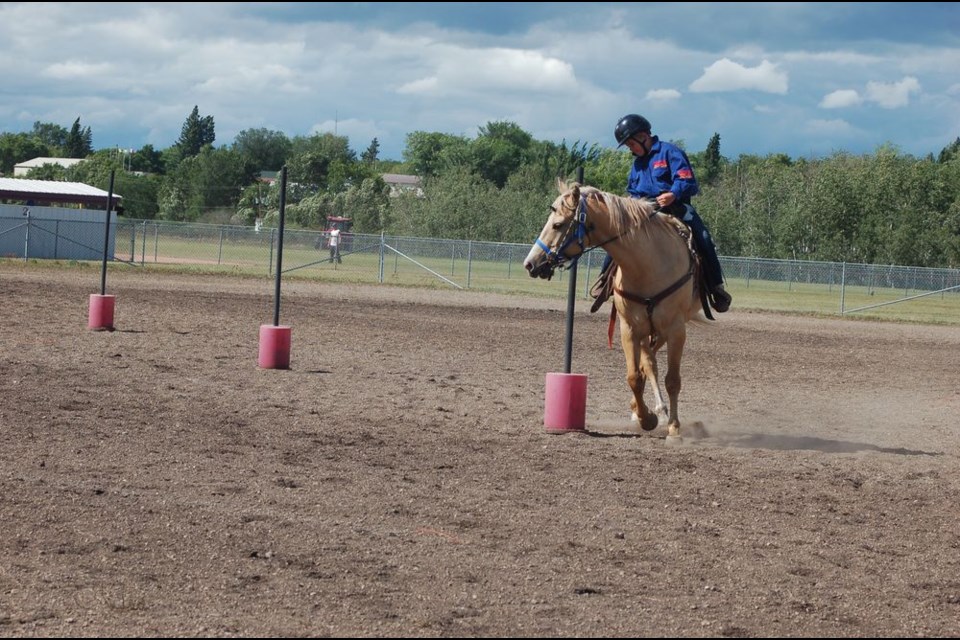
804, 79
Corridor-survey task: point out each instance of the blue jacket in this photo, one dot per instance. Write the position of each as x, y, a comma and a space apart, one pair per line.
665, 168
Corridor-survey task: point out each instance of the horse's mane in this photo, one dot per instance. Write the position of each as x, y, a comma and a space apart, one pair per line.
629, 213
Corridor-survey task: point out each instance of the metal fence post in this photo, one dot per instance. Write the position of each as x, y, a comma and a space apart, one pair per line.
382, 243
469, 261
133, 242
26, 238
270, 263
843, 285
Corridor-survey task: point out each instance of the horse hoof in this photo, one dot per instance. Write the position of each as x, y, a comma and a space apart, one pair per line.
649, 422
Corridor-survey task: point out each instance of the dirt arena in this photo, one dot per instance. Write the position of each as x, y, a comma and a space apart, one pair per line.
398, 480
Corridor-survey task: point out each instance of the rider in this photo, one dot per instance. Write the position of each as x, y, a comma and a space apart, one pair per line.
662, 171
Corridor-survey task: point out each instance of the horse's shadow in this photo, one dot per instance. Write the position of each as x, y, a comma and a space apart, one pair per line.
810, 443
697, 433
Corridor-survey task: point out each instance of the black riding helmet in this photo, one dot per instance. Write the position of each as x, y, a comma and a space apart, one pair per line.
628, 126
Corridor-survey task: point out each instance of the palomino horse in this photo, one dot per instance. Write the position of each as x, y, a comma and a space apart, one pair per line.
655, 289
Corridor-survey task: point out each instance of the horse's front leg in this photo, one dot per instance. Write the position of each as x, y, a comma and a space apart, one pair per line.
633, 350
672, 382
648, 363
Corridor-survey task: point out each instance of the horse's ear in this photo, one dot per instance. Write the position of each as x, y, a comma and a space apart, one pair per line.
561, 186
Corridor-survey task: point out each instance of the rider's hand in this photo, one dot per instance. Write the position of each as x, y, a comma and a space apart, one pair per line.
666, 198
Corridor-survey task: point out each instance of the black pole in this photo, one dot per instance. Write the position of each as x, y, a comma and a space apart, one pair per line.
283, 206
106, 238
571, 302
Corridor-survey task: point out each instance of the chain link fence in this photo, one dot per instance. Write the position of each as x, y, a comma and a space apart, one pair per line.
759, 283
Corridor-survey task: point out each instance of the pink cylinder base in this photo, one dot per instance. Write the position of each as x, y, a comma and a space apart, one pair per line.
101, 312
274, 347
566, 403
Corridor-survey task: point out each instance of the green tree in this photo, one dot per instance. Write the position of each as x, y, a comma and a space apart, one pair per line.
19, 147
522, 205
426, 154
52, 135
554, 161
949, 232
196, 133
265, 149
499, 150
147, 159
139, 193
372, 152
171, 157
368, 204
608, 171
48, 171
326, 162
79, 142
950, 151
457, 204
708, 168
258, 200
205, 187
312, 211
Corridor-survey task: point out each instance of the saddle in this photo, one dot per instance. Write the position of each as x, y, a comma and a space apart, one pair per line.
719, 299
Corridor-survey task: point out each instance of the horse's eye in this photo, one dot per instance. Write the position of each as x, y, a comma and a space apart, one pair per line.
557, 226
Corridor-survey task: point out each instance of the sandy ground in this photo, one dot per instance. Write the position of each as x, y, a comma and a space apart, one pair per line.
398, 479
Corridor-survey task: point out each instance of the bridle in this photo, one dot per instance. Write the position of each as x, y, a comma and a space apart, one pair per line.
577, 233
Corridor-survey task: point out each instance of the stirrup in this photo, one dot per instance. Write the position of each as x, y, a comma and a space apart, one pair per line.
602, 289
597, 289
600, 285
602, 297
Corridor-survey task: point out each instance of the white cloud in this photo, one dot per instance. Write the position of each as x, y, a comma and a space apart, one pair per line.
727, 75
462, 70
835, 127
846, 58
133, 71
76, 69
841, 98
423, 85
893, 95
663, 94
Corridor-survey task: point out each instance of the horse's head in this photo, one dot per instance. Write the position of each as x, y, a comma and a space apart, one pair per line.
563, 234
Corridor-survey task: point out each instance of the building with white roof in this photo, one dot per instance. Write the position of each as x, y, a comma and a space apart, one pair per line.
26, 166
